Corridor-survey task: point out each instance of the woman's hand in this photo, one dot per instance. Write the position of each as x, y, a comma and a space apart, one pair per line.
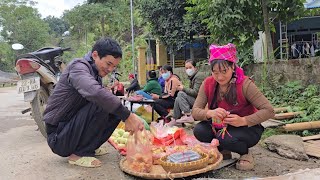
180, 87
218, 113
235, 120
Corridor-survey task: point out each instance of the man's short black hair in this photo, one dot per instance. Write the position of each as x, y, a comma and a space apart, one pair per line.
152, 74
107, 46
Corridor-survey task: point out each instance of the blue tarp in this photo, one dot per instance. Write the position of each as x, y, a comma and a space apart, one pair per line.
312, 4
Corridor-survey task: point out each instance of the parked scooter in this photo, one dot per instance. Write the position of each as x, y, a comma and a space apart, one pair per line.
39, 72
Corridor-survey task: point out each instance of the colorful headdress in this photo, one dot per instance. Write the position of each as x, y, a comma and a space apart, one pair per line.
229, 53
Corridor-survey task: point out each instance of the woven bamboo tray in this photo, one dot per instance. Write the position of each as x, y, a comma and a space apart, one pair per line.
184, 167
157, 171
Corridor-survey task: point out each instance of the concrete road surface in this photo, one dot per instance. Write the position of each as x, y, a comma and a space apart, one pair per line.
24, 153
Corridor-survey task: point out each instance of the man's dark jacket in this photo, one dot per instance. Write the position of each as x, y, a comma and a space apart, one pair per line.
80, 84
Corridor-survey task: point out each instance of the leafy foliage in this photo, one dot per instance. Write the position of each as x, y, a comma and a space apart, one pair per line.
102, 19
297, 98
239, 21
166, 19
6, 57
57, 25
23, 24
20, 24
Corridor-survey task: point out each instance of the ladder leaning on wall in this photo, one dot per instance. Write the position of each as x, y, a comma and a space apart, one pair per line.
284, 43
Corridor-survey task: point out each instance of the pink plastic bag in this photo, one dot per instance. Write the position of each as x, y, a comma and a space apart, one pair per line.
139, 154
209, 148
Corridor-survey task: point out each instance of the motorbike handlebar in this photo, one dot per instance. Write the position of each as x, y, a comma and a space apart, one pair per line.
66, 49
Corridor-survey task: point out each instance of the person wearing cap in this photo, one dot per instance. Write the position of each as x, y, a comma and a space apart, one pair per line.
187, 95
81, 114
152, 86
236, 107
134, 84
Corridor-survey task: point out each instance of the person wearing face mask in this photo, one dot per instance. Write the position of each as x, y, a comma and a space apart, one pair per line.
161, 81
187, 95
152, 86
236, 107
167, 99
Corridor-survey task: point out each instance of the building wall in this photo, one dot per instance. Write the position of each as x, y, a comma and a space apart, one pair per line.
307, 70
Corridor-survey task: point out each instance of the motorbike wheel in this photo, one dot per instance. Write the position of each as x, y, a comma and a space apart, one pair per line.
38, 106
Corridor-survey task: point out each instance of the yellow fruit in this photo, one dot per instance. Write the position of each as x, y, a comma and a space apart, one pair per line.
126, 134
121, 145
121, 132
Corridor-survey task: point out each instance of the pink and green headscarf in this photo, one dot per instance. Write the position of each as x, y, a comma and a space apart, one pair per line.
228, 53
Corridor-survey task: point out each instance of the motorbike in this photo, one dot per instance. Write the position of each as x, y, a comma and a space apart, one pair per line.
39, 72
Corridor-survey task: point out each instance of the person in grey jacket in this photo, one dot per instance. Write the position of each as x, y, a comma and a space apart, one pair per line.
187, 95
81, 114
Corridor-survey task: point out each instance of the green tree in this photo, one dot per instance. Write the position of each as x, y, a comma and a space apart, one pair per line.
239, 21
22, 24
6, 57
57, 26
103, 19
166, 20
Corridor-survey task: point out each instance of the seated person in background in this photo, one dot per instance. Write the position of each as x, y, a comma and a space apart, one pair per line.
134, 84
236, 107
186, 96
117, 88
152, 86
166, 100
161, 81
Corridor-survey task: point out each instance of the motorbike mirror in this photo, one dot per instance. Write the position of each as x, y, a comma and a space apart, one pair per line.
17, 46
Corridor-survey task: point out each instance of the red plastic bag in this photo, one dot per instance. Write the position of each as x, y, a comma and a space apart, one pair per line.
139, 154
170, 138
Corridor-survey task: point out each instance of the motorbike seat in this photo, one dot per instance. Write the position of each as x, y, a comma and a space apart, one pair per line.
48, 53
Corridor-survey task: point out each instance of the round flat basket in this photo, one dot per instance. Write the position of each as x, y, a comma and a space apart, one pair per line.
158, 172
184, 167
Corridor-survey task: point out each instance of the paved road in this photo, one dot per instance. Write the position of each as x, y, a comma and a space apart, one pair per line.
24, 153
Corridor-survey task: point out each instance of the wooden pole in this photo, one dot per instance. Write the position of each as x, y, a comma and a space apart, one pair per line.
314, 137
280, 109
288, 115
142, 60
302, 126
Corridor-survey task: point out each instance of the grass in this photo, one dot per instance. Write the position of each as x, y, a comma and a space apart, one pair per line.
270, 132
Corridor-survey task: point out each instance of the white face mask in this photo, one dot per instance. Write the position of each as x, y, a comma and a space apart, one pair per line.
190, 72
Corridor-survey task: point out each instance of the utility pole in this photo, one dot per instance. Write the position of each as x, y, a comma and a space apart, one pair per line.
132, 39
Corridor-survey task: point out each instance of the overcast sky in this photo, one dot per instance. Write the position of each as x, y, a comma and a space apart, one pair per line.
55, 7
